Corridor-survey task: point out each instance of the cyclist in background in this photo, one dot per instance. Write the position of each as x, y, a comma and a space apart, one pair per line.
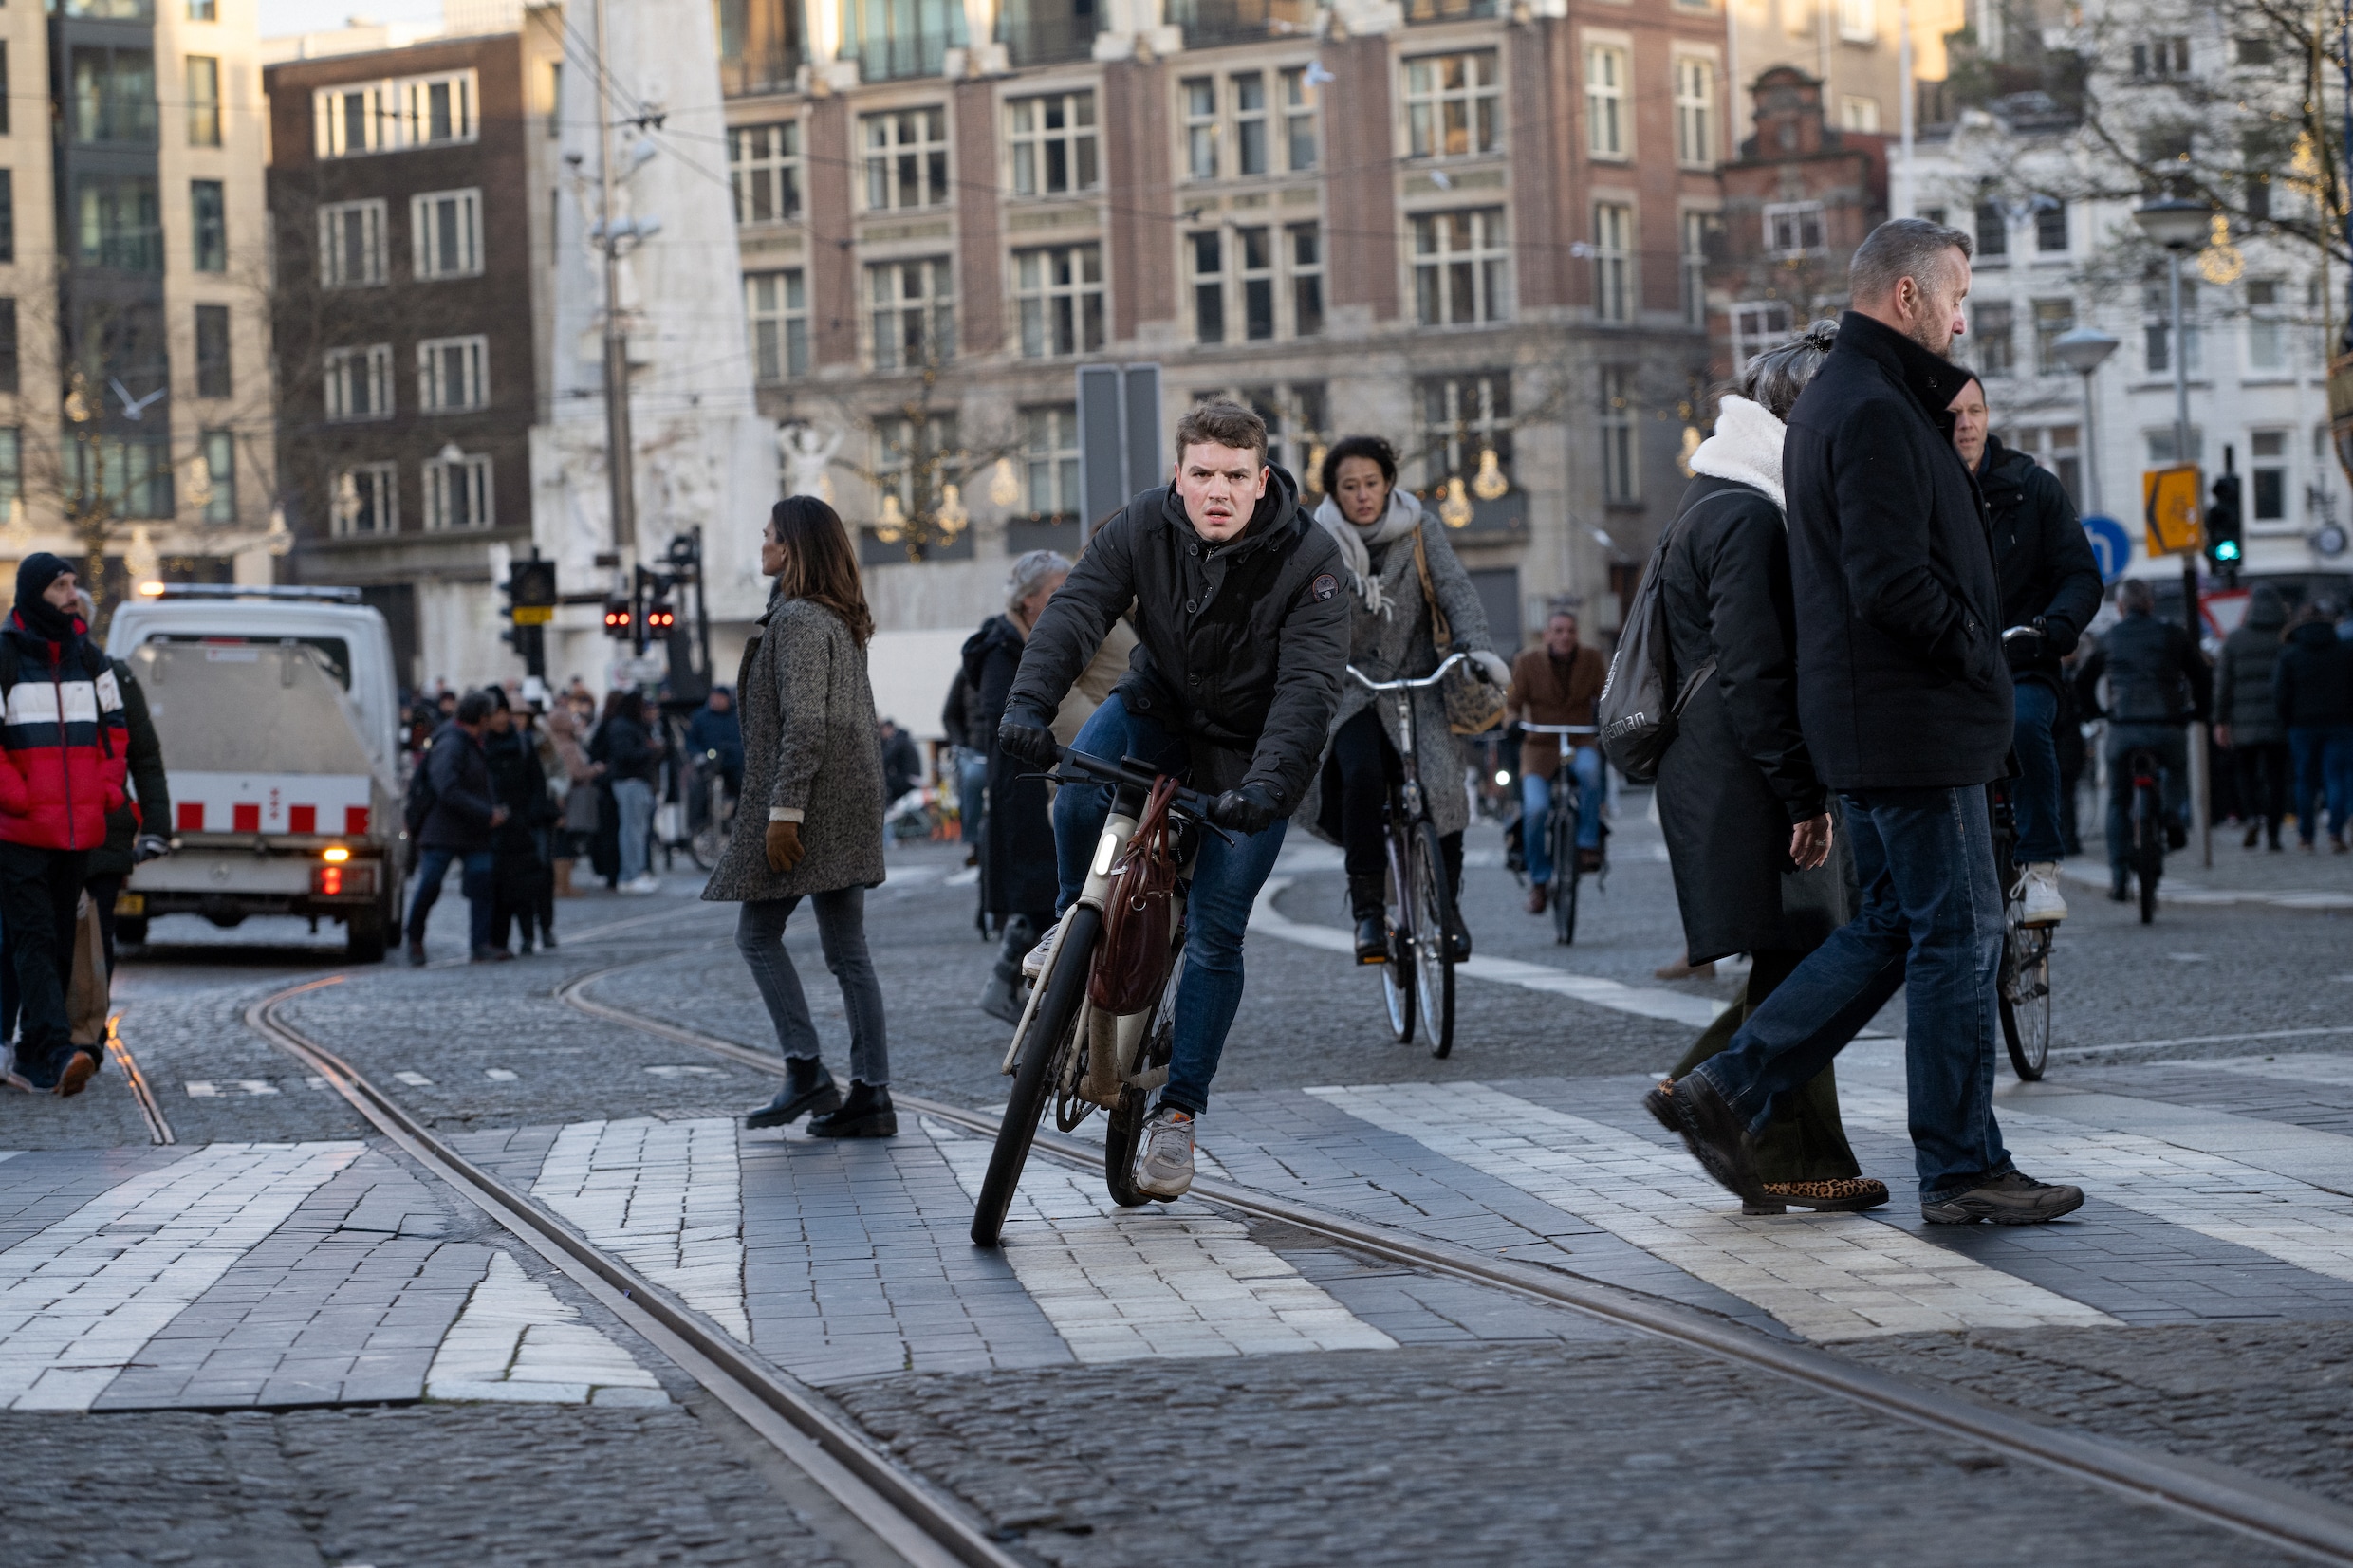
1557, 684
2157, 681
1241, 617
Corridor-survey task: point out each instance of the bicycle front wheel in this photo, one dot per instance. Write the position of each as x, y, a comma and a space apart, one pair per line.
1397, 979
1433, 952
1565, 878
2026, 999
1042, 1053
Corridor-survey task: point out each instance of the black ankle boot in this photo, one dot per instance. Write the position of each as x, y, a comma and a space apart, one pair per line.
866, 1114
1001, 997
1372, 926
808, 1087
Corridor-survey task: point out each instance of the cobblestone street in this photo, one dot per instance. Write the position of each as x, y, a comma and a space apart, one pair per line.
279, 1338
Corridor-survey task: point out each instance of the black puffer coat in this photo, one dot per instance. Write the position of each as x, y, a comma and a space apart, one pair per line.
1243, 644
2046, 564
1738, 775
1902, 683
2243, 683
1017, 874
2314, 681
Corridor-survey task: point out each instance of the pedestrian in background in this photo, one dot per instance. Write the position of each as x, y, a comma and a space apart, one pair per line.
624, 744
1904, 701
970, 754
903, 764
1747, 818
2312, 687
2157, 681
578, 822
63, 758
714, 736
811, 771
1557, 683
457, 828
1017, 874
2247, 719
519, 784
135, 830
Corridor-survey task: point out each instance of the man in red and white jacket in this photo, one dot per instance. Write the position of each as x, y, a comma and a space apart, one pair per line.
64, 744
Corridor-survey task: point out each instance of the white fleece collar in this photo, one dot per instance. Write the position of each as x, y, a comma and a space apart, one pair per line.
1746, 447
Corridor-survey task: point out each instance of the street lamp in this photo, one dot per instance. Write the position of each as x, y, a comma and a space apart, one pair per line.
2083, 351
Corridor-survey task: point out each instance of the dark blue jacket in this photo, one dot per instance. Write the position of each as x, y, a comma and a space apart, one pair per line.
460, 819
2155, 673
712, 731
2314, 681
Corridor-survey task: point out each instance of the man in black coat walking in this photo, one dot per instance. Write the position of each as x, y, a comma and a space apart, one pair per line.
1905, 705
458, 828
2050, 584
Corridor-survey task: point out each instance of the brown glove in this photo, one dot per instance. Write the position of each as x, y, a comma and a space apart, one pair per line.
783, 846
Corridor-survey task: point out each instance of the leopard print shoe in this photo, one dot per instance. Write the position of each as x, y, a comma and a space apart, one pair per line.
1841, 1195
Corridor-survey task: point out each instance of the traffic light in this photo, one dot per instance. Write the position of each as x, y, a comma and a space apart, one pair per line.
620, 617
532, 592
2224, 523
659, 618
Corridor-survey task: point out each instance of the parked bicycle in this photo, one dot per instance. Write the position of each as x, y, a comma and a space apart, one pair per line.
1560, 830
1426, 938
2023, 984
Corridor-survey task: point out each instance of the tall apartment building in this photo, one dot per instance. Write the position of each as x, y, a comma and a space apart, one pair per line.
1476, 230
136, 434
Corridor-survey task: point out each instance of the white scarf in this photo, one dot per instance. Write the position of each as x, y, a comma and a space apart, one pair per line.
1746, 447
1358, 540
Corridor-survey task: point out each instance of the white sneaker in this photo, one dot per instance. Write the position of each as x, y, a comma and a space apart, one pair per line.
1033, 962
1164, 1169
2043, 907
647, 883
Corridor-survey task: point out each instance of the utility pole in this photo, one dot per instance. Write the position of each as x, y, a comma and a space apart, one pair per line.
1905, 107
618, 465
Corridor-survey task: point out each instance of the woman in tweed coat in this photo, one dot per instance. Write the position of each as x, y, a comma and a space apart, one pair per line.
810, 757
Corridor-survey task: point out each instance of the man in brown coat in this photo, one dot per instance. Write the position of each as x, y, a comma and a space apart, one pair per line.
1557, 684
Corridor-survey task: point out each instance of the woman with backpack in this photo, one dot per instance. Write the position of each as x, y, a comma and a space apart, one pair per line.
1747, 820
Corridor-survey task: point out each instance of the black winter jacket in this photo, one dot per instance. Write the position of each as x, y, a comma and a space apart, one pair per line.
2156, 674
1242, 646
2243, 697
2046, 564
519, 784
2314, 681
149, 788
1901, 680
460, 819
1017, 872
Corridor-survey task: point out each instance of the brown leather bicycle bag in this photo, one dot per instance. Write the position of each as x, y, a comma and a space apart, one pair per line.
1133, 953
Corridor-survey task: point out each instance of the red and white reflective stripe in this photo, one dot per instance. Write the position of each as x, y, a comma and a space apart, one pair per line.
270, 802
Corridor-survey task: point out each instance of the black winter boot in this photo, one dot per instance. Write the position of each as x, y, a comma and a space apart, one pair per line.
866, 1114
1001, 997
808, 1087
1372, 926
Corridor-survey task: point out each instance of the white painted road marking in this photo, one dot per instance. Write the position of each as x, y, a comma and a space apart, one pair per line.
664, 1195
415, 1081
1827, 1276
516, 1341
498, 1075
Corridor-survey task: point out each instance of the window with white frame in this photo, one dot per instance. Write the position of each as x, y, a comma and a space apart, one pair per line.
1613, 262
1254, 151
1858, 21
1462, 418
457, 495
764, 171
1462, 268
1298, 121
1200, 106
1621, 438
1993, 341
365, 501
357, 117
351, 243
452, 374
1058, 291
1306, 244
1694, 112
913, 312
776, 306
1253, 265
218, 449
1757, 326
1699, 232
1050, 456
2266, 330
2267, 477
2050, 225
1053, 140
1609, 119
358, 383
1205, 255
1792, 228
1454, 104
1858, 112
2053, 320
447, 230
906, 155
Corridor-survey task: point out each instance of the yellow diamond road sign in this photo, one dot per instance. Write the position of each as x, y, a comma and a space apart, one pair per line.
2169, 498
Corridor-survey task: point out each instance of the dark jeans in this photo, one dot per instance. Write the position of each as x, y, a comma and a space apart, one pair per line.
40, 890
2324, 772
842, 934
2262, 767
477, 881
1804, 1141
2173, 759
103, 892
1366, 762
1226, 880
2034, 794
1930, 924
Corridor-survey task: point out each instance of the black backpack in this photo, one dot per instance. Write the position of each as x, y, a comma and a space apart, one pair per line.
1637, 720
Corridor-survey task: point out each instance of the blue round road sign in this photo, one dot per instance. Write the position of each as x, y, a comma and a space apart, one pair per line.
2110, 545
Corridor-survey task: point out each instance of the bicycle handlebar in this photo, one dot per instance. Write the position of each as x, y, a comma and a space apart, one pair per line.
1430, 680
1102, 770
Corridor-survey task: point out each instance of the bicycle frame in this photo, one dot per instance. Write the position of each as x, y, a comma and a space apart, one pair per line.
1564, 799
1408, 726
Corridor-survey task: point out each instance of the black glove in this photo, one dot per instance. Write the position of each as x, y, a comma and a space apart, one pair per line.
1023, 738
149, 846
1251, 809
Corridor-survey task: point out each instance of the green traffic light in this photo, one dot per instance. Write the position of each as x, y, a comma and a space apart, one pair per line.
2227, 550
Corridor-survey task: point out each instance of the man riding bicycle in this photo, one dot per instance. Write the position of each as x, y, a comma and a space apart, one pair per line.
1242, 624
1557, 684
2157, 681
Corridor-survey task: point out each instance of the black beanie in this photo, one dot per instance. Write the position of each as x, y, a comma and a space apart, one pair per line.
34, 576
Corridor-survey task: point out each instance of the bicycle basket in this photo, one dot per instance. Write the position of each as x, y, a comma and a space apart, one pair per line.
1134, 952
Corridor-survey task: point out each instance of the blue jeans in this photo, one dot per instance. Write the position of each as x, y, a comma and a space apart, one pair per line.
1931, 923
634, 799
2172, 760
842, 936
477, 881
2034, 794
1226, 880
972, 793
2323, 770
1536, 806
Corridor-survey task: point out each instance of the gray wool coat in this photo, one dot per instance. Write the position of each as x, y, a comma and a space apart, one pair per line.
1401, 646
808, 748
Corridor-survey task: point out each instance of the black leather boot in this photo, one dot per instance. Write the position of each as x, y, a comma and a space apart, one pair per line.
808, 1087
1372, 926
1001, 997
866, 1114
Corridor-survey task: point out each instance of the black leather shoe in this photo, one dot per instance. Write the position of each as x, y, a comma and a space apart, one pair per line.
2010, 1198
1715, 1137
1372, 939
1458, 944
808, 1087
866, 1114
